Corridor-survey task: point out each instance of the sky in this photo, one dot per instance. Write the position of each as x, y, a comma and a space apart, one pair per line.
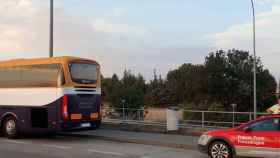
140, 35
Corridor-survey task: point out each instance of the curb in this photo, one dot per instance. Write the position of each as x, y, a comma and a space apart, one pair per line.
133, 141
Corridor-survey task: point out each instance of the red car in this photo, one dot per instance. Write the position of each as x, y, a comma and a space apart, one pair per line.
257, 138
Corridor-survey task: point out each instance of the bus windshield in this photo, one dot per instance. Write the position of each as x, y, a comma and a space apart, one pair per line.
83, 73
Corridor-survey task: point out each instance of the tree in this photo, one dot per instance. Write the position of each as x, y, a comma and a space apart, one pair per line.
230, 79
187, 84
157, 94
226, 77
130, 88
111, 87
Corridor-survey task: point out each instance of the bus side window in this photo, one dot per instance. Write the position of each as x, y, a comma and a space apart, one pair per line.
39, 75
10, 77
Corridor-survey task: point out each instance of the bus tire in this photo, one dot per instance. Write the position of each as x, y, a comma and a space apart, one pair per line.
10, 128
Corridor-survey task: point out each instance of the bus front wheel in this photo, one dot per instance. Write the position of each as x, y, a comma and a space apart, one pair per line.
10, 128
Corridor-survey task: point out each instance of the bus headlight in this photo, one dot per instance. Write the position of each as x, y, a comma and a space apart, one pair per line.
204, 139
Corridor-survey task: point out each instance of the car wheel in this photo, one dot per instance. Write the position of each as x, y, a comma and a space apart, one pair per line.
220, 149
10, 128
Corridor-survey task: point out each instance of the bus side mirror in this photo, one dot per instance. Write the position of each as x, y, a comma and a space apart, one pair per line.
247, 129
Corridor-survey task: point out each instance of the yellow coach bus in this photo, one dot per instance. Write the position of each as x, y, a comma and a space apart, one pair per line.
49, 95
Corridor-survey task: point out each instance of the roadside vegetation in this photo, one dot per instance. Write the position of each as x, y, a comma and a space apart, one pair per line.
225, 78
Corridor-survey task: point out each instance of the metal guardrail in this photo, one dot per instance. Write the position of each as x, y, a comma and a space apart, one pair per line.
187, 118
217, 119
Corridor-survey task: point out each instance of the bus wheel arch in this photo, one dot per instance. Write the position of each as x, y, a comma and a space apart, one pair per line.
9, 125
5, 116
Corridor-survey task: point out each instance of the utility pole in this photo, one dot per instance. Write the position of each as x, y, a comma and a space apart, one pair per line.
255, 64
51, 29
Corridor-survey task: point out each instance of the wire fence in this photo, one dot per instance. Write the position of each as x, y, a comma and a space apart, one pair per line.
186, 118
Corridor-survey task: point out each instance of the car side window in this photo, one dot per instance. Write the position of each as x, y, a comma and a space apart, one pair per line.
272, 124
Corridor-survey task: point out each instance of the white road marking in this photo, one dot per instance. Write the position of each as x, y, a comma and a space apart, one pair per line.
15, 141
106, 152
56, 146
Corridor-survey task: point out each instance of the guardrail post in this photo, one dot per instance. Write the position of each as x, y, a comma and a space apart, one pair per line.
142, 114
138, 113
123, 109
233, 114
123, 113
250, 116
202, 119
233, 118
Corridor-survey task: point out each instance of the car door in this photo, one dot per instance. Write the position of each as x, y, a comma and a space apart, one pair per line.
259, 139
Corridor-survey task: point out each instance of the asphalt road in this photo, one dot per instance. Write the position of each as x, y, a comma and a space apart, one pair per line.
83, 147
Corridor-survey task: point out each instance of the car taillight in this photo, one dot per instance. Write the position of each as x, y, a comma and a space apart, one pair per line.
64, 107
